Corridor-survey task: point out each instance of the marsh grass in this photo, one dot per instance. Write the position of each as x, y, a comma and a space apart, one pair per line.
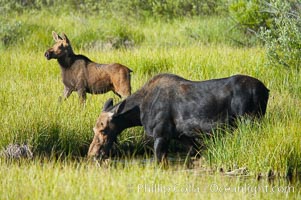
50, 179
60, 133
32, 113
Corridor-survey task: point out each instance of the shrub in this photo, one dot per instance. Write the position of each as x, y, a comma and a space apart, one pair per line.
175, 8
141, 8
21, 5
113, 35
276, 23
10, 33
249, 14
283, 39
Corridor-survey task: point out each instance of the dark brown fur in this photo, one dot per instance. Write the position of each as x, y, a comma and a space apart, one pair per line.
171, 107
81, 74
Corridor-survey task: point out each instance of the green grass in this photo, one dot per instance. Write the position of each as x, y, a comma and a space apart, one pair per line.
198, 49
130, 180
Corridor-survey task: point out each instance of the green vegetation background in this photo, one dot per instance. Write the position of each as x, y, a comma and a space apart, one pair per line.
195, 39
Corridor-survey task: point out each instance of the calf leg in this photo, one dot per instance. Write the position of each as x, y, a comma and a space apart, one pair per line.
82, 95
161, 147
67, 92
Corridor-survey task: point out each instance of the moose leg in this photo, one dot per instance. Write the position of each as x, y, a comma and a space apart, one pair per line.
190, 143
161, 147
82, 95
67, 92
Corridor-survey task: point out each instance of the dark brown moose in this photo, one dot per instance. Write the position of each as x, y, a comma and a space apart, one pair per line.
81, 74
171, 107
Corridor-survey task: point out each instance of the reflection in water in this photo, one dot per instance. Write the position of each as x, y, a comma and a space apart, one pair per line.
239, 180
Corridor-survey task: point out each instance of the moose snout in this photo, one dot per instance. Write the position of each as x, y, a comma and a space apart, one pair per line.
98, 156
47, 55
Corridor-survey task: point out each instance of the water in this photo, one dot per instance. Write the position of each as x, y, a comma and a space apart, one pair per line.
204, 182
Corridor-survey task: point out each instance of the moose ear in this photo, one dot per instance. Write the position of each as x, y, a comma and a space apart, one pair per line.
108, 104
119, 108
65, 38
55, 36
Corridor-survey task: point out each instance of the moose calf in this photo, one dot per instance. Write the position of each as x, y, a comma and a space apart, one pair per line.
81, 74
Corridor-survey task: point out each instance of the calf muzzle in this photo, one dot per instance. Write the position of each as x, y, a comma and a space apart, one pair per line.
47, 55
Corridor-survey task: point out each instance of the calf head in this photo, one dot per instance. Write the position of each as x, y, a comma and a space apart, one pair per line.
62, 47
105, 131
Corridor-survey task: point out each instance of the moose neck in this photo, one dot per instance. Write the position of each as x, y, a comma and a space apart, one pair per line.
130, 114
67, 60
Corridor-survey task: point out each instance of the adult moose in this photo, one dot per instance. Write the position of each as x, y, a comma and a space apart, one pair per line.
81, 74
171, 107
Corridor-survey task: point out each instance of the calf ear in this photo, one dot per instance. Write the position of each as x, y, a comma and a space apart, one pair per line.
108, 104
65, 38
55, 36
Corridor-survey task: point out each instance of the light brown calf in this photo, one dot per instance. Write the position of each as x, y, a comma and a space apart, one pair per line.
81, 74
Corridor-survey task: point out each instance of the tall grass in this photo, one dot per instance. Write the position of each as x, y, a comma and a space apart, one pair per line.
196, 48
31, 111
130, 180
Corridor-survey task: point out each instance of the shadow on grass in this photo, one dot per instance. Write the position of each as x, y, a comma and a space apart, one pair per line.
55, 141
